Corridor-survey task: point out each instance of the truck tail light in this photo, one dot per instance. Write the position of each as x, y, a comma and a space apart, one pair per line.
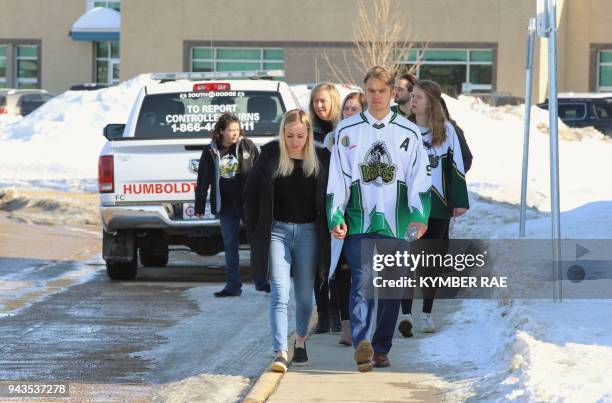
106, 174
211, 87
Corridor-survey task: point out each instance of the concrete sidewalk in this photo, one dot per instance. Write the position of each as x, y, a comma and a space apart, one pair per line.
332, 376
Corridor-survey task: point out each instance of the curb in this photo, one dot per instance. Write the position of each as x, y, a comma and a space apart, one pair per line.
268, 381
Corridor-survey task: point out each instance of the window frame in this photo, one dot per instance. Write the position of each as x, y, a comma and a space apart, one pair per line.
91, 4
4, 79
26, 80
215, 60
468, 62
599, 87
108, 60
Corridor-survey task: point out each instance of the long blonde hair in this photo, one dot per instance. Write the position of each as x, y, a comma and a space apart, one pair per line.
436, 118
310, 165
335, 104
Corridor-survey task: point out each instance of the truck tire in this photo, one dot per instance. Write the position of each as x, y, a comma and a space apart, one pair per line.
122, 270
154, 257
119, 252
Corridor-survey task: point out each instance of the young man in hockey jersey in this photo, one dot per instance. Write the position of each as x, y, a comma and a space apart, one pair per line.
378, 187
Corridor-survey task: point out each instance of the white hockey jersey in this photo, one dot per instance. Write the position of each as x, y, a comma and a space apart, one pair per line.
448, 188
378, 176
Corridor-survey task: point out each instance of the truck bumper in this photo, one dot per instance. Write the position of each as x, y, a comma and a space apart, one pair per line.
116, 218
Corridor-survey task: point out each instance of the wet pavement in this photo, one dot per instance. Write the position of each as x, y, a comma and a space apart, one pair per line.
158, 336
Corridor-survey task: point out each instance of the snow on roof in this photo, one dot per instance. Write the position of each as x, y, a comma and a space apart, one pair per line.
585, 95
98, 19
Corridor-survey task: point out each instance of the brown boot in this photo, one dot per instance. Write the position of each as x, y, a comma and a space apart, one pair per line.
363, 356
381, 360
345, 337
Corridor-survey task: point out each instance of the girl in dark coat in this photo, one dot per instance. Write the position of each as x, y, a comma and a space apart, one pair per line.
224, 166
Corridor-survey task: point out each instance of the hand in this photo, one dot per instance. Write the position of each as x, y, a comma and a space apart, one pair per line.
339, 231
421, 228
458, 212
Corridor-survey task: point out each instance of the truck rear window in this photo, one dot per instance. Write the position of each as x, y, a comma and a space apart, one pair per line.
193, 114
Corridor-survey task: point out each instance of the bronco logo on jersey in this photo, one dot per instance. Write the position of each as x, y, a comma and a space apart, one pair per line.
377, 167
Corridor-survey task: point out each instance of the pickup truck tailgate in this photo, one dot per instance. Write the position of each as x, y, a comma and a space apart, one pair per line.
156, 170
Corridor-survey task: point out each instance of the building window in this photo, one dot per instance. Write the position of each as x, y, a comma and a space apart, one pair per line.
114, 4
604, 71
106, 67
452, 68
205, 59
26, 66
3, 72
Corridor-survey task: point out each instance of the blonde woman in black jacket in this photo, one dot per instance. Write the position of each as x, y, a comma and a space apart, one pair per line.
284, 202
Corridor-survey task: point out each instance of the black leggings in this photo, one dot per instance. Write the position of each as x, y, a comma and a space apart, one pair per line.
342, 281
326, 303
437, 228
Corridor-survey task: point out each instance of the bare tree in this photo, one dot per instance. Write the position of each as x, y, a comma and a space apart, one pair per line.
380, 37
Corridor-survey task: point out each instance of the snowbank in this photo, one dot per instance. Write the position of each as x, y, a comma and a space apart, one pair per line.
58, 144
495, 136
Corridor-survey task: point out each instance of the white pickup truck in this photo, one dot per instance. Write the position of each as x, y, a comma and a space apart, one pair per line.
148, 167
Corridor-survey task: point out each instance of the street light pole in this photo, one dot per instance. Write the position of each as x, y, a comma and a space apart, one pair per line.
554, 149
531, 33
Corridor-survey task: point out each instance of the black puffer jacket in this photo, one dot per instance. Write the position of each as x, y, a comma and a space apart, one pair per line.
208, 173
258, 198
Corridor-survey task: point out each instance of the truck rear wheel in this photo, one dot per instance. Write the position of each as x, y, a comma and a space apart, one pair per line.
119, 252
154, 257
122, 270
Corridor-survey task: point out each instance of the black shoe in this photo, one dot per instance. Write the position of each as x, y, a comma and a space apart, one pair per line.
300, 358
335, 322
322, 323
265, 288
224, 293
279, 365
405, 326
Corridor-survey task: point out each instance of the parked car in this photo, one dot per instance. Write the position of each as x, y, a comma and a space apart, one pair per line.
88, 87
148, 167
22, 102
496, 98
585, 110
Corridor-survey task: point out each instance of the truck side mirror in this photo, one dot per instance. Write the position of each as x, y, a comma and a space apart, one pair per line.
113, 131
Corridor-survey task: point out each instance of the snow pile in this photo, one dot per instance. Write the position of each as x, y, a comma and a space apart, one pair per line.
50, 208
495, 136
529, 350
58, 144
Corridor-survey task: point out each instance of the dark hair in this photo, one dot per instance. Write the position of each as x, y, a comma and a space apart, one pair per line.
355, 95
411, 78
222, 124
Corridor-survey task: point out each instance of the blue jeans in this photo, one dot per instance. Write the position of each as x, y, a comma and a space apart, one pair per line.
230, 216
360, 306
293, 251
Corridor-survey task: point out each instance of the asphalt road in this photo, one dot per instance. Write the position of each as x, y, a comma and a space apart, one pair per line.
62, 319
